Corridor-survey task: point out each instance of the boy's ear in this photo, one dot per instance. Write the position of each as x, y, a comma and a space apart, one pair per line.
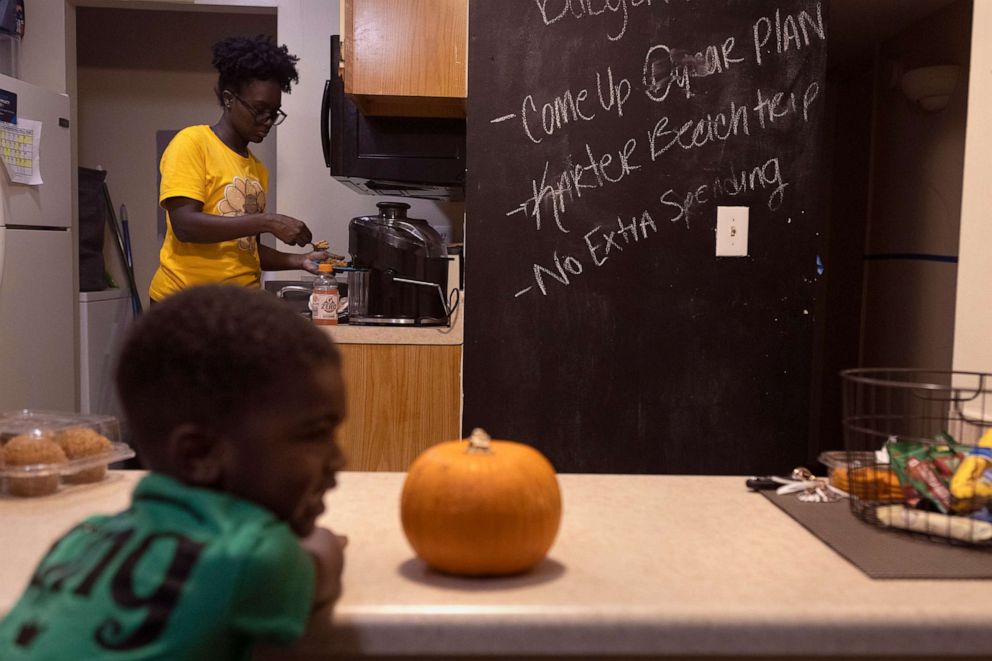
197, 455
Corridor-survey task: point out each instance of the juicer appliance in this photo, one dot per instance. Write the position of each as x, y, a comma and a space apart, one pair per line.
400, 264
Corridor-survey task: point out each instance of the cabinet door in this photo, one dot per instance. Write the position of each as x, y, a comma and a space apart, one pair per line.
401, 400
406, 57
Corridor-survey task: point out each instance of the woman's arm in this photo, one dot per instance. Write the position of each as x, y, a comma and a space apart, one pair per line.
273, 260
193, 225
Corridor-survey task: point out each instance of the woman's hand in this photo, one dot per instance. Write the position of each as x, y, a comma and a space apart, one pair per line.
312, 260
289, 230
273, 260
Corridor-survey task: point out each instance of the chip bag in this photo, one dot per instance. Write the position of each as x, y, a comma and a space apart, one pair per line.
925, 470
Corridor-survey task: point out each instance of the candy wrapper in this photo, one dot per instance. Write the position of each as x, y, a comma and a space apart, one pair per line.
925, 471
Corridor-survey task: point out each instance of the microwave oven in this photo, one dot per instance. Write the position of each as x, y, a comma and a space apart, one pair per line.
421, 157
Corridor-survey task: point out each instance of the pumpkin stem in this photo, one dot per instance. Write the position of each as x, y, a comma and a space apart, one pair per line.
479, 441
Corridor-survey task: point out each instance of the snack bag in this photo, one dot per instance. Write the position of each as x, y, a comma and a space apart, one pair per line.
925, 469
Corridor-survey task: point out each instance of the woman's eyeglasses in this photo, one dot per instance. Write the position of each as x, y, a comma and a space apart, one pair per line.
277, 116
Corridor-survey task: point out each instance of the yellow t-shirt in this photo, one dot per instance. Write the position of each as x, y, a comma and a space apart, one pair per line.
197, 165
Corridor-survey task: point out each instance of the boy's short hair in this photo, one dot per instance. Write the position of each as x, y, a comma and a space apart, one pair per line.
241, 60
208, 356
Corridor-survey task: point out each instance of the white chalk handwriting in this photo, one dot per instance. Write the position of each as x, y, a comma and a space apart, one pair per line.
552, 11
706, 103
790, 32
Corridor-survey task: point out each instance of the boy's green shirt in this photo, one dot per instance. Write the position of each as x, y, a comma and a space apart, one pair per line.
184, 573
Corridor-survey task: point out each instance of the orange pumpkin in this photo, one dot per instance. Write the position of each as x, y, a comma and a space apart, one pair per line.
481, 507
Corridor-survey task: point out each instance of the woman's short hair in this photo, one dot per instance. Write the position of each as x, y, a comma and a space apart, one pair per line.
241, 60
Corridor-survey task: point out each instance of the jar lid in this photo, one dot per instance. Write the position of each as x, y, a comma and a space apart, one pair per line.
325, 268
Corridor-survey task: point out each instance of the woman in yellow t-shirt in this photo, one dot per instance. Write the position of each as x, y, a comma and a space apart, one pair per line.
214, 189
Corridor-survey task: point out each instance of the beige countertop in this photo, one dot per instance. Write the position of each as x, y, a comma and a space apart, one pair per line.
437, 335
358, 334
354, 334
664, 565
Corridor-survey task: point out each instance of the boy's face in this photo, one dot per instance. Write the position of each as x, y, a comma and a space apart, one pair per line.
285, 456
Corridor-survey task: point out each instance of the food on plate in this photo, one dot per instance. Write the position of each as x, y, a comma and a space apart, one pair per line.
334, 260
27, 450
82, 442
481, 507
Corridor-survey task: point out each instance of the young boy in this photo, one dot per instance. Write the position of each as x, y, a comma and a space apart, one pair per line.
233, 402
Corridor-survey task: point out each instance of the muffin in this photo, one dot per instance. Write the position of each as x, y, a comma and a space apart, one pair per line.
79, 443
26, 450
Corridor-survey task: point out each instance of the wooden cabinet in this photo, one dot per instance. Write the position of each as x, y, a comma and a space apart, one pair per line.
401, 399
406, 57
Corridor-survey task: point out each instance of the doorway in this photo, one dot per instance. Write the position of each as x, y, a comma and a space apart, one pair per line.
153, 77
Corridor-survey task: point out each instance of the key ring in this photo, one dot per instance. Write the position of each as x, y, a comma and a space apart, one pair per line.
809, 488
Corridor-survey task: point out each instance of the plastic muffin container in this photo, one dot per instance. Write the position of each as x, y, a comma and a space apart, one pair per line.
43, 451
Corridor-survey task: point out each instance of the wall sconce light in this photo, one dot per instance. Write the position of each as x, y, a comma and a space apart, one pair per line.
930, 88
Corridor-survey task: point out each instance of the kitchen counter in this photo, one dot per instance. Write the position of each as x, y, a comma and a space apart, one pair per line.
357, 334
643, 565
446, 335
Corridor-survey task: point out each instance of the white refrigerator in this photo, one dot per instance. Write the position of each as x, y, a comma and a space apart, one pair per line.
37, 245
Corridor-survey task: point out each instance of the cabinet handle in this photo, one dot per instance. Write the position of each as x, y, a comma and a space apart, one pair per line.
325, 122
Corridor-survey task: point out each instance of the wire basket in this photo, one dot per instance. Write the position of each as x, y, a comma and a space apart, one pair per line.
918, 458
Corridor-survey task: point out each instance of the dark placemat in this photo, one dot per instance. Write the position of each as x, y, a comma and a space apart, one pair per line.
881, 553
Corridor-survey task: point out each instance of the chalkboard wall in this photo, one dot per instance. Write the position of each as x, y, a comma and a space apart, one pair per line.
603, 135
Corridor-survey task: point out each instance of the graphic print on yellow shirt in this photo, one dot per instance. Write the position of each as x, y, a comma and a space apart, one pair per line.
199, 166
240, 198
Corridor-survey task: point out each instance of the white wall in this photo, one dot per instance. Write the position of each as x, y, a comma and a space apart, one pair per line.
973, 311
43, 49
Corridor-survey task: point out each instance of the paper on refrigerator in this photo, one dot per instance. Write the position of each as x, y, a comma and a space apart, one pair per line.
20, 150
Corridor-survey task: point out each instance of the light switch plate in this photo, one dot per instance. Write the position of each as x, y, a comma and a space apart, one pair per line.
731, 231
